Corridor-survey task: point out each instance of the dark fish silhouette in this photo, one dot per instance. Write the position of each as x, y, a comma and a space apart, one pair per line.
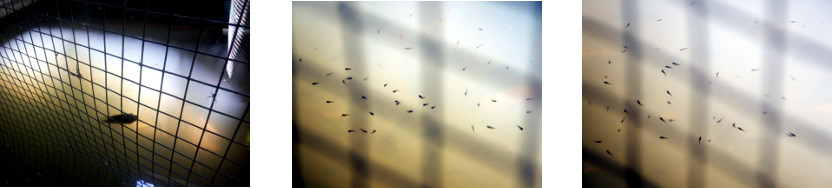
609, 62
426, 104
668, 66
793, 78
407, 48
764, 112
365, 78
466, 91
625, 111
700, 139
362, 130
506, 67
628, 25
720, 120
480, 28
314, 83
478, 104
394, 91
372, 114
670, 120
648, 116
385, 84
327, 74
668, 102
410, 111
420, 96
347, 68
740, 128
397, 102
363, 97
694, 2
349, 131
122, 118
432, 107
717, 74
668, 92
528, 111
489, 127
299, 59
659, 20
374, 131
328, 101
598, 141
492, 100
625, 46
661, 118
344, 82
463, 68
639, 102
521, 128
665, 74
733, 124
792, 134
662, 137
605, 82
609, 153
349, 78
683, 49
378, 31
489, 62
342, 115
622, 120
608, 108
674, 63
472, 128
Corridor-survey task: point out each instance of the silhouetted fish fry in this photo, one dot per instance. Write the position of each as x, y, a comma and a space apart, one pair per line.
662, 137
363, 97
344, 82
740, 128
372, 114
665, 74
674, 63
720, 120
661, 118
598, 141
420, 96
622, 120
314, 83
122, 118
605, 82
668, 66
521, 128
299, 59
426, 104
349, 131
394, 91
349, 78
432, 107
385, 84
528, 111
397, 102
362, 130
668, 92
410, 111
374, 131
347, 68
328, 101
639, 102
327, 74
342, 115
472, 129
700, 139
625, 27
610, 153
490, 127
791, 134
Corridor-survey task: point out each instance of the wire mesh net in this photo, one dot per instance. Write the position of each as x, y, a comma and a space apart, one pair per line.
69, 67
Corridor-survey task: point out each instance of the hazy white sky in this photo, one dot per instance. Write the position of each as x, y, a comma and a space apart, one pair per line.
736, 45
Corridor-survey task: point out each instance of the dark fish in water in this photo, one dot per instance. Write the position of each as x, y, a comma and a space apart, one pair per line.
362, 130
625, 27
793, 78
670, 120
314, 83
328, 101
740, 128
625, 111
720, 120
674, 63
480, 28
492, 100
397, 102
327, 74
349, 78
598, 141
665, 74
668, 92
608, 108
661, 118
734, 125
374, 131
683, 49
426, 104
478, 104
668, 102
490, 127
528, 111
365, 78
717, 74
363, 97
791, 134
420, 96
344, 82
299, 59
668, 66
122, 118
605, 82
394, 91
343, 115
410, 111
622, 120
463, 68
610, 153
639, 102
521, 128
372, 114
432, 107
349, 131
472, 128
609, 62
528, 99
347, 68
662, 137
700, 139
466, 91
385, 84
